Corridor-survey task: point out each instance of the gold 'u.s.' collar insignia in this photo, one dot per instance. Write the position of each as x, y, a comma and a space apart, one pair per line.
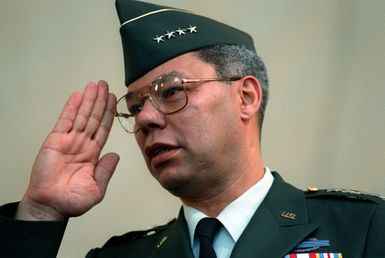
288, 215
161, 242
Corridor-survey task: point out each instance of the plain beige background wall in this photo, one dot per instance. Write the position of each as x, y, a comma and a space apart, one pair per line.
324, 125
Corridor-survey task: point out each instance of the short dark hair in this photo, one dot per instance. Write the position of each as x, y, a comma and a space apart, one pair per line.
237, 61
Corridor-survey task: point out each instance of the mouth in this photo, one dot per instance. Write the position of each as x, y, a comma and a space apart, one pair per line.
158, 149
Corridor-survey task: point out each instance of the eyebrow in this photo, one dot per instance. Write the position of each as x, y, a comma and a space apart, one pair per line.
172, 73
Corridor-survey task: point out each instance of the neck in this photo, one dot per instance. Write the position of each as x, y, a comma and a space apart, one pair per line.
215, 201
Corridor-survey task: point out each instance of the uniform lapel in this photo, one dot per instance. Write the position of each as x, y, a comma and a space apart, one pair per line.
174, 241
279, 224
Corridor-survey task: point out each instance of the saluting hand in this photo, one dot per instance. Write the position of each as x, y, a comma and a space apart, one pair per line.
68, 178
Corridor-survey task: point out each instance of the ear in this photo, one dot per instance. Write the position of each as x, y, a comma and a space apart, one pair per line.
250, 93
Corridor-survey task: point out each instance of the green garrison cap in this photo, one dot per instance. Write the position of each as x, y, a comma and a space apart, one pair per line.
153, 34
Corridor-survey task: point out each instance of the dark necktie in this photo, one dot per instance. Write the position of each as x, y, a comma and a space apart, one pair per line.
205, 231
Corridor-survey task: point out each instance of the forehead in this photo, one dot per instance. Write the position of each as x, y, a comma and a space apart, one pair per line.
187, 66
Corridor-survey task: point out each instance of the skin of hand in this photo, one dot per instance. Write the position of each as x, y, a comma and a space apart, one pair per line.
68, 176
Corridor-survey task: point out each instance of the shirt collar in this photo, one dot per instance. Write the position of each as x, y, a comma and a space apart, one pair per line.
238, 213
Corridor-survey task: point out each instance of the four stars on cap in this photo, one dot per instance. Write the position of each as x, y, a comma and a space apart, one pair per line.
172, 34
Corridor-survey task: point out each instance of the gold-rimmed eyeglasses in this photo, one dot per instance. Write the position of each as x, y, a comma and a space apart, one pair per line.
168, 94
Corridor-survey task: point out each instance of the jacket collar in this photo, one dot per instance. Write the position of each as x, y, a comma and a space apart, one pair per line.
279, 224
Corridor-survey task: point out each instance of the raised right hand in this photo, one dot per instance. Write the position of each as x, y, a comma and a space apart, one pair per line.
68, 178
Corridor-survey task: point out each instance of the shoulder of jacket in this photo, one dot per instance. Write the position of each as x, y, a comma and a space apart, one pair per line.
139, 234
314, 192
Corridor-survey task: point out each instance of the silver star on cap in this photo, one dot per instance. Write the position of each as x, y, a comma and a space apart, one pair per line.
180, 31
192, 29
159, 39
170, 34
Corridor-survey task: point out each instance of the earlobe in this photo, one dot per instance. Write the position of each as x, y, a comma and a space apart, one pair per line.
250, 92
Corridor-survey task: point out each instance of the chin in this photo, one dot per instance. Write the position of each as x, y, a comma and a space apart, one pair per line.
175, 180
174, 184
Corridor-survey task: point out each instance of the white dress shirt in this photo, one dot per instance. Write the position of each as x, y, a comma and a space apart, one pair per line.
234, 217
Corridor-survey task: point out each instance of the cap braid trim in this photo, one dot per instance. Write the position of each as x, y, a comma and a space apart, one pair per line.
151, 13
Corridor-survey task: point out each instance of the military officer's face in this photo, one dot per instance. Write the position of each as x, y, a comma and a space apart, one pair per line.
191, 151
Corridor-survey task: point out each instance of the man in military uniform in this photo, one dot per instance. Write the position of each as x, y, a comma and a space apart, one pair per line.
196, 97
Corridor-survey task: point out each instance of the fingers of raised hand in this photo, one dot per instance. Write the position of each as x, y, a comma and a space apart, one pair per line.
87, 115
68, 114
104, 128
91, 112
98, 109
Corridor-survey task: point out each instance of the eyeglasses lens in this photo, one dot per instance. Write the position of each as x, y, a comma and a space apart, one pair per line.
167, 94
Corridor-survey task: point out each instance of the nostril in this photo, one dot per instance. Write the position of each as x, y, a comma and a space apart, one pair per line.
148, 127
153, 125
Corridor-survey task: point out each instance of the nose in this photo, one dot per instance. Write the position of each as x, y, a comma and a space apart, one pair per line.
150, 118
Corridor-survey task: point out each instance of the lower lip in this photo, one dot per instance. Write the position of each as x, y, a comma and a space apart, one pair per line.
163, 157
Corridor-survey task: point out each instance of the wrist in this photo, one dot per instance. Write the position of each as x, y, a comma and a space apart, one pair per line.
32, 211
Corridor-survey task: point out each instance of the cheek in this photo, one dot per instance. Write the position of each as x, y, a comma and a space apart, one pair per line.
210, 122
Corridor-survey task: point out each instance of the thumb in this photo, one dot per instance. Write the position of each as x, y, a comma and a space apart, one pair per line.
105, 169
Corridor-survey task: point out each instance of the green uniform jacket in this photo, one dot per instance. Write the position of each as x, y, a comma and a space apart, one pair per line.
342, 222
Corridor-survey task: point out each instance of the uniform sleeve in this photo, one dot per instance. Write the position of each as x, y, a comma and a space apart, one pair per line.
28, 238
375, 241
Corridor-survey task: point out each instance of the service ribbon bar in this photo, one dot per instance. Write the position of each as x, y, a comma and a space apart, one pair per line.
314, 255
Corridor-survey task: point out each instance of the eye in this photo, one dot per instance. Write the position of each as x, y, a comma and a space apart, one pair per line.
171, 92
135, 109
134, 104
